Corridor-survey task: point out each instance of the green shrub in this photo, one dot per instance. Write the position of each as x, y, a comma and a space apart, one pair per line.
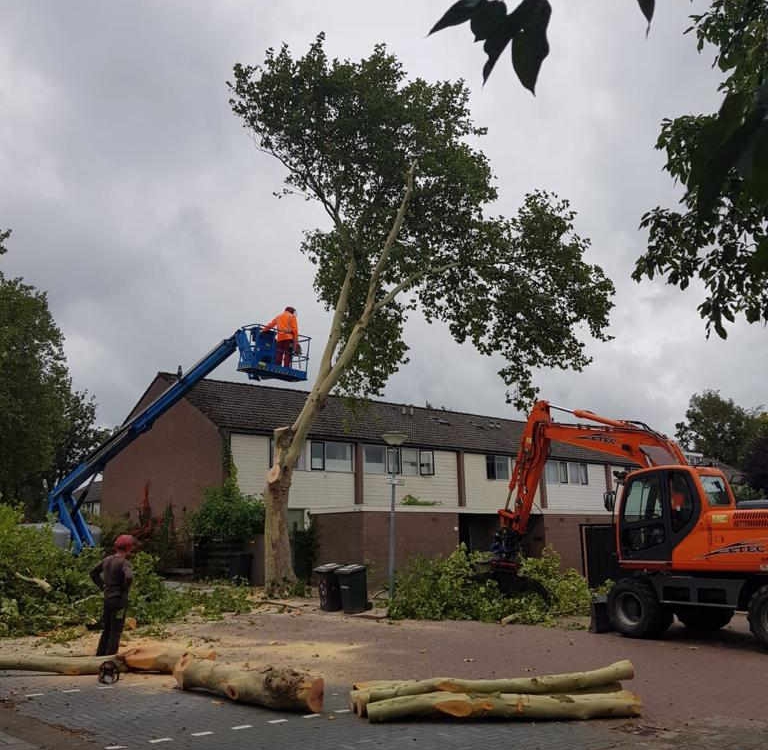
227, 514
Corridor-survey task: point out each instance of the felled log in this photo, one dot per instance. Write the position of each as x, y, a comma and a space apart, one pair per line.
149, 657
374, 691
282, 689
558, 706
39, 582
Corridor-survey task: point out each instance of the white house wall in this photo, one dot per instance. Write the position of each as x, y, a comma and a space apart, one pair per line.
483, 495
579, 498
442, 488
250, 454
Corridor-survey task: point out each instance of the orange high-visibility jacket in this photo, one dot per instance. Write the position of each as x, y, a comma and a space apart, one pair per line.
287, 326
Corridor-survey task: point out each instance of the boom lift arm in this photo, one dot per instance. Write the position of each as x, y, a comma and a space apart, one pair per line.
630, 440
257, 359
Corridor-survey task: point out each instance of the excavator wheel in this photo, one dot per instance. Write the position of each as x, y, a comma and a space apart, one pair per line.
704, 619
635, 611
758, 615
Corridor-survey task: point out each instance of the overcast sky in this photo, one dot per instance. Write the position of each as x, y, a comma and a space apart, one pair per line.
139, 203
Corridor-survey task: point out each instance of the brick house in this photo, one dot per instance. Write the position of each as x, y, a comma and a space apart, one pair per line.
454, 466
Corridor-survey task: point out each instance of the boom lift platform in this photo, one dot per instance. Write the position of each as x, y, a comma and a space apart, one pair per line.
257, 358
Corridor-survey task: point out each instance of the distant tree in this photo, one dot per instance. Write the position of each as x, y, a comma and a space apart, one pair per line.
406, 195
4, 235
721, 235
717, 427
755, 463
45, 427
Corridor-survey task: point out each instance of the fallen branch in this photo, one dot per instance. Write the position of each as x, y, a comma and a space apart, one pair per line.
374, 691
39, 582
506, 706
283, 689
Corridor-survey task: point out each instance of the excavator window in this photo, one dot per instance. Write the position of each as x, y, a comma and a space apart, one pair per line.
680, 501
715, 491
643, 516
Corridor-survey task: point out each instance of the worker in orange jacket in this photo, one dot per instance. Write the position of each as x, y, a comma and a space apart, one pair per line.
287, 326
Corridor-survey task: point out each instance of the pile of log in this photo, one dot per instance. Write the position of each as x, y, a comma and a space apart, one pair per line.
281, 689
578, 695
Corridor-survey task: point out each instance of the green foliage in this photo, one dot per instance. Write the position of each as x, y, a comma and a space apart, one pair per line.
73, 600
525, 28
111, 528
4, 235
449, 589
717, 427
721, 237
412, 500
227, 514
348, 133
755, 462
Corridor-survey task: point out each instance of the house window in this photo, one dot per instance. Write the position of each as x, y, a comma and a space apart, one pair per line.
563, 472
374, 459
426, 463
330, 456
497, 467
577, 474
393, 460
584, 473
409, 462
552, 472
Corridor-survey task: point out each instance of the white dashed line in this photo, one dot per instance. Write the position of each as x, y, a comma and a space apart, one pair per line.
116, 747
105, 687
242, 726
360, 742
161, 739
342, 710
276, 721
33, 695
73, 690
310, 716
201, 734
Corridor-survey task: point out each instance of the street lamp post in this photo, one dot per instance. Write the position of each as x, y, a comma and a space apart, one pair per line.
392, 439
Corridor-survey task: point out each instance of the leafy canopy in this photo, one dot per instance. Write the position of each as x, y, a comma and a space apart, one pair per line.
717, 427
348, 133
720, 236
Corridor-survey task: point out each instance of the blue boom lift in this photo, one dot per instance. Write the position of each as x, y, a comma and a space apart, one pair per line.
258, 358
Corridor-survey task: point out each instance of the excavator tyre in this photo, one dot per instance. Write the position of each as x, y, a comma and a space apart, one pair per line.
635, 610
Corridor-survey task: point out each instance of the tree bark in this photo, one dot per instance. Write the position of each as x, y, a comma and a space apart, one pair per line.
373, 691
150, 657
506, 706
282, 689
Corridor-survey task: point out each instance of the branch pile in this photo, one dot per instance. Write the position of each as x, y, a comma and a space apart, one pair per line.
578, 695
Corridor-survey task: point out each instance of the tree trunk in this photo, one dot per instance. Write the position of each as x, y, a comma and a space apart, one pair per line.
506, 706
373, 691
278, 565
282, 689
150, 657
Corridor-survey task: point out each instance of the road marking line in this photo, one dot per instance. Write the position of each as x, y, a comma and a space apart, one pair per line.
201, 734
33, 695
104, 687
116, 747
360, 742
310, 716
161, 739
73, 690
242, 726
342, 710
276, 721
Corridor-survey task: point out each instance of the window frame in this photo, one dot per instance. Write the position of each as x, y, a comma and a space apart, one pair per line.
492, 463
431, 470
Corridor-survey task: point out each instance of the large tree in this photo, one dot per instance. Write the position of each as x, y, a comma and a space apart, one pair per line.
391, 163
46, 428
717, 427
755, 463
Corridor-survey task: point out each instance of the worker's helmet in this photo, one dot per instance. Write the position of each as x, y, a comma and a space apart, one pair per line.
125, 543
290, 309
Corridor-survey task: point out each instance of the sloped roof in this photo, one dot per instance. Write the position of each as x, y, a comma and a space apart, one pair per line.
256, 408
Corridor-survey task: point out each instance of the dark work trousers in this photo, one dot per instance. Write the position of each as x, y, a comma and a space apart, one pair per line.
284, 352
114, 619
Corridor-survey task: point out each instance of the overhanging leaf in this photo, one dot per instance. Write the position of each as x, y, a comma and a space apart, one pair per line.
647, 6
488, 19
529, 45
496, 43
458, 13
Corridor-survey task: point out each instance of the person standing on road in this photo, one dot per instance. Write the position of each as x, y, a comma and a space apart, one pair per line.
287, 326
114, 576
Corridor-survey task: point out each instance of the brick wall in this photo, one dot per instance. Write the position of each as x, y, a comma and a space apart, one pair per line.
179, 457
563, 532
363, 537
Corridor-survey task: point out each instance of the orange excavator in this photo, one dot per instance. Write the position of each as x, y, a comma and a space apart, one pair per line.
685, 546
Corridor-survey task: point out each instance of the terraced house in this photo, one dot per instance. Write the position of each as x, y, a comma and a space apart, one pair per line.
452, 469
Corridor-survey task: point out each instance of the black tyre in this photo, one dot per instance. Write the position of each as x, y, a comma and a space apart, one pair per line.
635, 611
758, 615
704, 619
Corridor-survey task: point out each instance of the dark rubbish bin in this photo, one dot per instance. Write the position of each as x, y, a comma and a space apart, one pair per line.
354, 588
328, 587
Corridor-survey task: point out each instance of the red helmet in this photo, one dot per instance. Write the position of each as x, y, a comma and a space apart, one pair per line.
125, 542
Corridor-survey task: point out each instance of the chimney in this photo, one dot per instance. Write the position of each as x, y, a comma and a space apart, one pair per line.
411, 410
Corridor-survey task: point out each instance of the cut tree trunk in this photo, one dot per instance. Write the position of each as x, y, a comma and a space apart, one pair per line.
282, 689
148, 657
506, 706
374, 691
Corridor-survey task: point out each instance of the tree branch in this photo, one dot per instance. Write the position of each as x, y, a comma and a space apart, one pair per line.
390, 295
